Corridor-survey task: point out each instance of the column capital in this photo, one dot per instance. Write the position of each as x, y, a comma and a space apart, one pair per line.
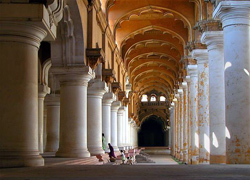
73, 75
121, 110
115, 105
213, 39
18, 19
233, 13
180, 91
52, 100
43, 90
192, 71
97, 88
201, 55
184, 85
108, 98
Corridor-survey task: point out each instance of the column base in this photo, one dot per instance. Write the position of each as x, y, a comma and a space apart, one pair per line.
21, 160
95, 151
217, 159
73, 154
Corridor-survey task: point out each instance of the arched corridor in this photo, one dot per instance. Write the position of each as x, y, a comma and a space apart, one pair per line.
145, 73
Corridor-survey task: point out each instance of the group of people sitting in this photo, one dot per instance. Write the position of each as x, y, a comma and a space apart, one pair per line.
112, 156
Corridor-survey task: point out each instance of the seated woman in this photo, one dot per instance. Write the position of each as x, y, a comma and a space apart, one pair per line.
111, 153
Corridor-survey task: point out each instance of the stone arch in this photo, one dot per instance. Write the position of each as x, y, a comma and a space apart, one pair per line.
68, 49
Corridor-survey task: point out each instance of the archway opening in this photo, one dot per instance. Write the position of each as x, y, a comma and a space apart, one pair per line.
152, 133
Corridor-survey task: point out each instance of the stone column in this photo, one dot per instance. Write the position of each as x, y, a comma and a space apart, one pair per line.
42, 91
136, 128
129, 132
189, 132
52, 103
214, 42
201, 55
172, 128
177, 126
114, 108
73, 110
108, 98
19, 44
96, 91
236, 27
185, 123
120, 127
193, 73
180, 92
126, 126
132, 133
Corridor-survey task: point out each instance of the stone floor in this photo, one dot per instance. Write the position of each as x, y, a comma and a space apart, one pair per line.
163, 168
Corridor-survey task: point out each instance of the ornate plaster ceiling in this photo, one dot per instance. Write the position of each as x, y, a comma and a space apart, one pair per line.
151, 36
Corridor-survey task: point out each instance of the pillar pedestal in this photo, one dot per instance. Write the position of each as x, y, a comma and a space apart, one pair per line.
96, 91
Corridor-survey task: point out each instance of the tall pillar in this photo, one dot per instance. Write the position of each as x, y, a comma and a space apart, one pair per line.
129, 132
172, 128
42, 91
73, 110
177, 126
108, 98
180, 92
19, 44
189, 132
214, 42
185, 123
114, 109
201, 55
236, 27
193, 73
126, 126
120, 127
52, 103
96, 91
136, 128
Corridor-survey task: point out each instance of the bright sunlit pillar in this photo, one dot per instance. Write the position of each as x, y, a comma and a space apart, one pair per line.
236, 28
214, 42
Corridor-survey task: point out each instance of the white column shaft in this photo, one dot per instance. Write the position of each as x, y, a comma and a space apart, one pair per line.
114, 108
236, 27
53, 120
19, 93
192, 70
214, 42
95, 95
120, 126
201, 55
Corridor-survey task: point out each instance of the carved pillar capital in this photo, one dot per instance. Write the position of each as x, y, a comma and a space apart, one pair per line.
116, 87
95, 56
108, 75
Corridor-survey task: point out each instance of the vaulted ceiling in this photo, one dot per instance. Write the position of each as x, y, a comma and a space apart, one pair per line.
151, 36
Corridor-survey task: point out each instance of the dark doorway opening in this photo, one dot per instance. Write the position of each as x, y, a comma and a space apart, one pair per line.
152, 132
